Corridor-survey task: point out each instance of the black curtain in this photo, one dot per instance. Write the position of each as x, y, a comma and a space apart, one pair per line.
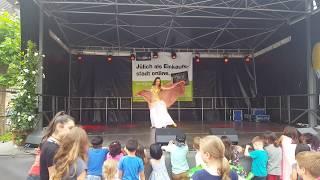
94, 76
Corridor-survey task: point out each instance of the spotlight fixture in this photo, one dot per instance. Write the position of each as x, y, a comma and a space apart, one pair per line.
155, 54
197, 57
109, 58
226, 60
79, 57
173, 55
132, 57
247, 59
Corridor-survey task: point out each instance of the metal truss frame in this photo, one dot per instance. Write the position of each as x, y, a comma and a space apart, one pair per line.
228, 13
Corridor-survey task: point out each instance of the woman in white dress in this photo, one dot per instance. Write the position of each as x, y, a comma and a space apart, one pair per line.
159, 99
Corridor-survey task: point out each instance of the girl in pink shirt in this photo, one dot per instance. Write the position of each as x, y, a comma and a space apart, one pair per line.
115, 151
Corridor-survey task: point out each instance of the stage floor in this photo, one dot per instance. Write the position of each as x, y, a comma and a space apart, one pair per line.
146, 136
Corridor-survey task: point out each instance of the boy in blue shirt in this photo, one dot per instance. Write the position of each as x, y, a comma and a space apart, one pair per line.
259, 158
130, 166
96, 157
178, 154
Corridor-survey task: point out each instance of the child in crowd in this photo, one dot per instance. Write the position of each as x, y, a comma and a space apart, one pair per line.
141, 153
300, 148
130, 166
231, 152
217, 166
115, 151
196, 146
288, 142
157, 161
96, 157
259, 158
312, 140
274, 154
178, 153
110, 171
34, 172
308, 165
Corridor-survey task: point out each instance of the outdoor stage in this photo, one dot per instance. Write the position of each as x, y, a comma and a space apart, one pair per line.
146, 136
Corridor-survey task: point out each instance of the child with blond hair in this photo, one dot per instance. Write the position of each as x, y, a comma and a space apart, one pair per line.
109, 170
308, 165
217, 166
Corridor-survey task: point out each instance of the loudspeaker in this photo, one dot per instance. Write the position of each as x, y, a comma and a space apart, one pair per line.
164, 135
34, 139
307, 130
231, 133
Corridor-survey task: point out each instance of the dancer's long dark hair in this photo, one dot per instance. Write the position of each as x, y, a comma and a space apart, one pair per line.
155, 80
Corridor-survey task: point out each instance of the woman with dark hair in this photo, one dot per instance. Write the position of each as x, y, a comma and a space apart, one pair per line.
288, 142
57, 129
159, 98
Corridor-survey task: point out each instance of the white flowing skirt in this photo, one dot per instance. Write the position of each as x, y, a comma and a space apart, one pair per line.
159, 115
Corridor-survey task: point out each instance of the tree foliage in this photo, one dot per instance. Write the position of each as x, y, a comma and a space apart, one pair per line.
10, 48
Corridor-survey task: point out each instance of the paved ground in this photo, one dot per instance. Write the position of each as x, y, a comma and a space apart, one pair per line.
14, 162
15, 167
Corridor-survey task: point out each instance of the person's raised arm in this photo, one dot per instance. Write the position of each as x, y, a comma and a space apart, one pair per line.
168, 147
246, 151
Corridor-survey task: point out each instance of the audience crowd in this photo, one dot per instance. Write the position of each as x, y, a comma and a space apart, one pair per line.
66, 153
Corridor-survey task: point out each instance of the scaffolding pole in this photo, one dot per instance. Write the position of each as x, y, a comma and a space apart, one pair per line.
312, 106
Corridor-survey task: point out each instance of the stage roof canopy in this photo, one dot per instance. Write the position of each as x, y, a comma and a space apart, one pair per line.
172, 24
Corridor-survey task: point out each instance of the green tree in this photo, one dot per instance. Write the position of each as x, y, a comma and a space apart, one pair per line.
21, 73
10, 48
24, 103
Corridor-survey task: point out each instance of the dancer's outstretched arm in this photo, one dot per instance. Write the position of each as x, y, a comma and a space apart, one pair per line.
146, 95
172, 86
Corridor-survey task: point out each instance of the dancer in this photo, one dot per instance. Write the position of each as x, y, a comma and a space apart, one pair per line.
159, 98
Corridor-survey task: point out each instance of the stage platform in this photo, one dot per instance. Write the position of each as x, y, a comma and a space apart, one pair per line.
146, 136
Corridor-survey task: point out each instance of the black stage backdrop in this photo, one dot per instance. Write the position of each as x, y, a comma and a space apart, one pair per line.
94, 76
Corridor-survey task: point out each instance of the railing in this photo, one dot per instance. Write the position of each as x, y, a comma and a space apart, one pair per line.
283, 109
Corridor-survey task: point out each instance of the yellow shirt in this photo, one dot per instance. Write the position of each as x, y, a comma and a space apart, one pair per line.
155, 94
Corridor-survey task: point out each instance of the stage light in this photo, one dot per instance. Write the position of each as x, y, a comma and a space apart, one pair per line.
109, 58
197, 57
132, 57
155, 55
79, 57
247, 59
226, 60
173, 55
